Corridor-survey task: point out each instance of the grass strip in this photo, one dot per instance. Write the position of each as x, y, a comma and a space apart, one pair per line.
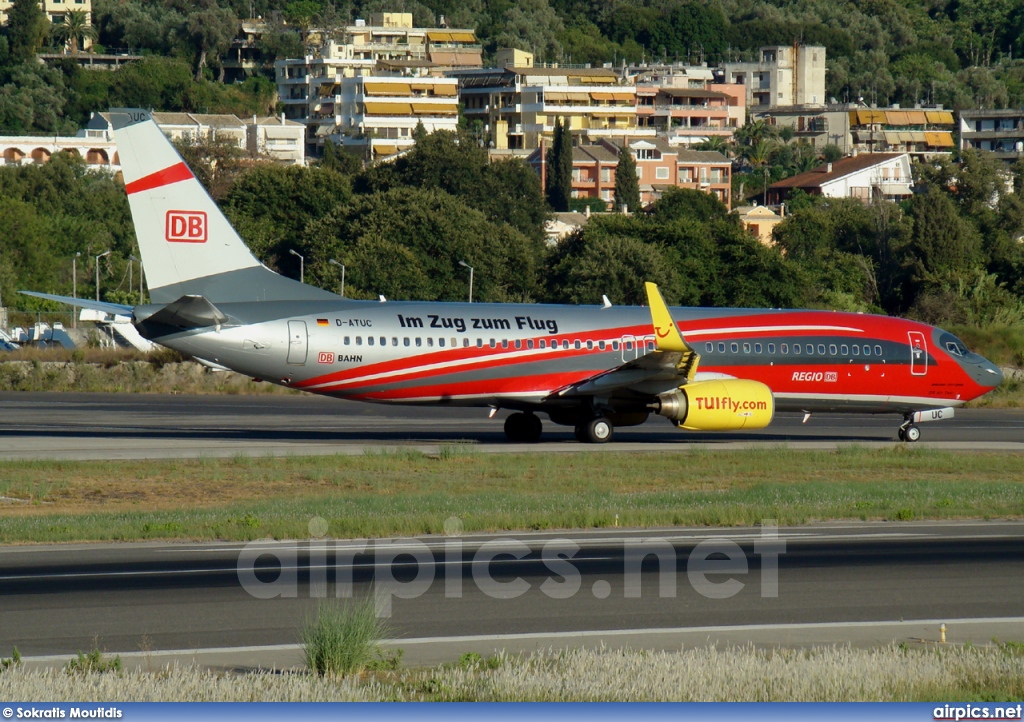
821, 674
405, 493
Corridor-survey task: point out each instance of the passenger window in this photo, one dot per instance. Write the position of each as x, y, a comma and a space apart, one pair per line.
856, 350
455, 342
650, 345
832, 349
529, 343
821, 349
784, 348
735, 348
430, 342
771, 349
878, 350
479, 343
844, 350
615, 345
709, 347
465, 343
746, 348
369, 340
796, 348
565, 343
359, 340
419, 341
629, 345
440, 342
504, 343
601, 345
493, 343
576, 344
347, 340
721, 347
406, 340
590, 345
519, 344
757, 348
394, 340
543, 343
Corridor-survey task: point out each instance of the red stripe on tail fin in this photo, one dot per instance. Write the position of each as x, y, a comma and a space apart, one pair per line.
173, 174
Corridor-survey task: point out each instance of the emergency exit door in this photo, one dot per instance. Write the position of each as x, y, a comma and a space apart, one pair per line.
298, 343
918, 353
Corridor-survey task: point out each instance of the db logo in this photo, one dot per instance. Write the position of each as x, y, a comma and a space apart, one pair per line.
831, 377
186, 226
325, 357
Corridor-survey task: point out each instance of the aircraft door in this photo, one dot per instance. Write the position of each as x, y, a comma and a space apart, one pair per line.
918, 353
628, 346
298, 343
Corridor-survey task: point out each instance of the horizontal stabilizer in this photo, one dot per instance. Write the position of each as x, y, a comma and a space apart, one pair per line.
188, 312
114, 309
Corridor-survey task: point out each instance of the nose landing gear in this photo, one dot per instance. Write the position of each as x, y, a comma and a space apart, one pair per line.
908, 432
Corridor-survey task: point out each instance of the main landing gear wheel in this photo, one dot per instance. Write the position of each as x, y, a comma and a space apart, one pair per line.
523, 428
596, 431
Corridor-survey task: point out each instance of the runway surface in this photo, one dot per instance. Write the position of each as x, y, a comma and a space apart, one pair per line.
859, 582
111, 426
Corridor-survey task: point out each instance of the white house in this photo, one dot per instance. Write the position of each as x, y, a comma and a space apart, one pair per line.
867, 176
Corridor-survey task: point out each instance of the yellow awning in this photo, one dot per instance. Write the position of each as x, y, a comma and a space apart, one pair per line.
387, 108
603, 96
892, 137
939, 117
433, 109
623, 96
916, 117
463, 37
554, 97
435, 36
939, 139
421, 86
896, 117
867, 117
447, 90
385, 149
387, 89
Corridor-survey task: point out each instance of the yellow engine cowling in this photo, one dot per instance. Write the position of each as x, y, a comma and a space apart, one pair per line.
719, 405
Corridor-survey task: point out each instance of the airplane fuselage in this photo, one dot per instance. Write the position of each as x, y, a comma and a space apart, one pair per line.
528, 357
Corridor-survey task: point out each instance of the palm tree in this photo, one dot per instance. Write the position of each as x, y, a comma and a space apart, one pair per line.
75, 28
716, 143
759, 153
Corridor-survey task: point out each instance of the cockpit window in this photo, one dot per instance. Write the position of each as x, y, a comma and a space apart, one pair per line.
954, 346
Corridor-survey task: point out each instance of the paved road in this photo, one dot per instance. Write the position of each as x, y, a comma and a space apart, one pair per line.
84, 426
856, 581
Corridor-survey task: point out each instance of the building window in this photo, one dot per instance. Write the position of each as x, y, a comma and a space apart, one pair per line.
661, 173
606, 175
685, 175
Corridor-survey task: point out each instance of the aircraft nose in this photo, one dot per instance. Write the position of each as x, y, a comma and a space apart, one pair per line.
991, 375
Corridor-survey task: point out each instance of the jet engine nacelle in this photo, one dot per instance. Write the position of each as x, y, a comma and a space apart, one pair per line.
719, 405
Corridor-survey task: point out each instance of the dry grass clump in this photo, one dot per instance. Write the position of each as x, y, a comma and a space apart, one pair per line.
176, 684
892, 673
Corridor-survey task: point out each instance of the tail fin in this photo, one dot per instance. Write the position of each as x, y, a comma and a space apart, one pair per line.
188, 246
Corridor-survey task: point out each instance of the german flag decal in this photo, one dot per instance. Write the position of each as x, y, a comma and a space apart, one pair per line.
322, 322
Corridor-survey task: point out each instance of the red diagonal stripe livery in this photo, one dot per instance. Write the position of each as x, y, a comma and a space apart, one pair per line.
173, 174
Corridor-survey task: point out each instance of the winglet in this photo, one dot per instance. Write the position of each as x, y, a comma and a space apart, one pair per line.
665, 331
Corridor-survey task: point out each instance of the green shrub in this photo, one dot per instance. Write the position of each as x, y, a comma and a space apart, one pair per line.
342, 639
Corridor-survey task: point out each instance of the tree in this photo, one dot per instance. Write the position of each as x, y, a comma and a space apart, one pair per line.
559, 161
75, 29
338, 159
419, 132
209, 30
627, 186
216, 162
302, 13
26, 29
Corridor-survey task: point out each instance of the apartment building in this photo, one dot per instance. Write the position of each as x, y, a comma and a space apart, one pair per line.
919, 132
784, 75
685, 104
369, 92
516, 106
995, 131
865, 176
659, 166
55, 9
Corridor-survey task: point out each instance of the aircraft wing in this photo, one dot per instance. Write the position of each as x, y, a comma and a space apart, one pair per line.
672, 360
114, 309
